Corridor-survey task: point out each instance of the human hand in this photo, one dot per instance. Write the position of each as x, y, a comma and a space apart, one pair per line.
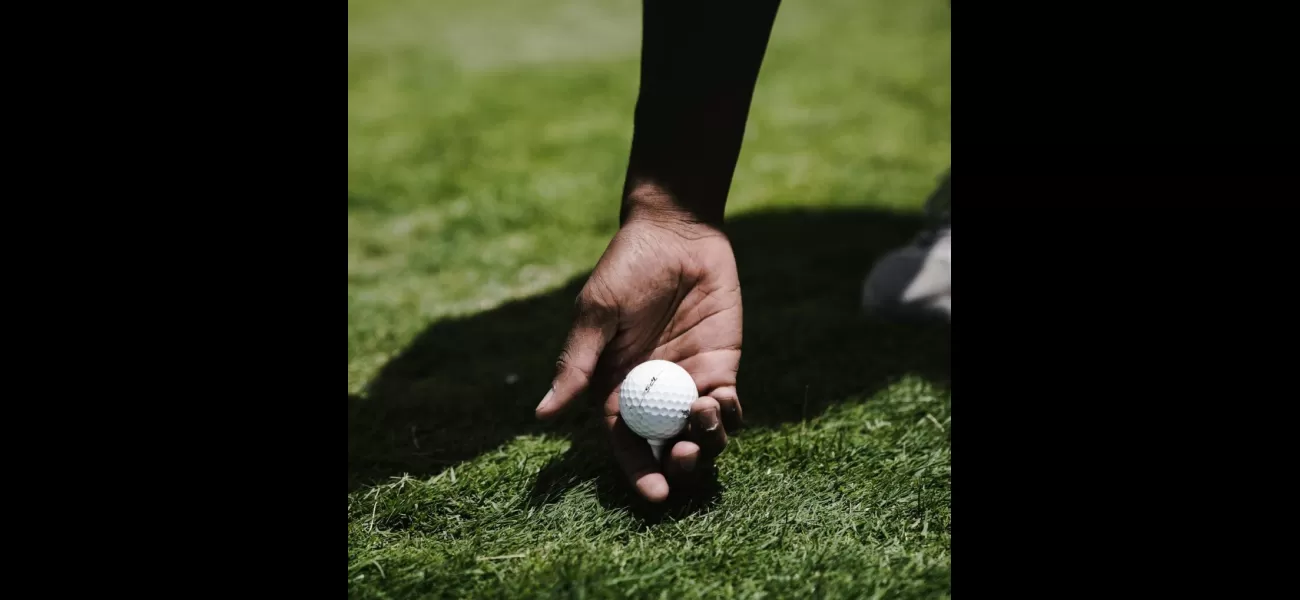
664, 289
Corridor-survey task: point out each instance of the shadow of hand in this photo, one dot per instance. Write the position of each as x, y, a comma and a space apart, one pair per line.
466, 386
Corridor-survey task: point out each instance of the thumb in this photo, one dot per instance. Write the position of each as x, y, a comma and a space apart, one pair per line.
591, 331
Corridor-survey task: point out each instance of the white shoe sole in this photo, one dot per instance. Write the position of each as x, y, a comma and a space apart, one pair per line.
913, 281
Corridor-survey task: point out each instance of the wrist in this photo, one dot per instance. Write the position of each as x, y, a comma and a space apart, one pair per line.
651, 202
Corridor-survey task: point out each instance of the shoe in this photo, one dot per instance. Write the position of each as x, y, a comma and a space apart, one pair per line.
915, 281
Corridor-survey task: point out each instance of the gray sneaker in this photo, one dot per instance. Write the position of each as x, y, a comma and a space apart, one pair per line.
916, 280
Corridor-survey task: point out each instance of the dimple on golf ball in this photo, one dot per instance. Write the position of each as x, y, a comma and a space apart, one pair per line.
655, 400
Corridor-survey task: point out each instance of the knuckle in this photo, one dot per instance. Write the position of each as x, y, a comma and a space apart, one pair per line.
595, 299
565, 366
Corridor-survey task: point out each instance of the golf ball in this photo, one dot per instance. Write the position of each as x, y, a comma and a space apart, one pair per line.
655, 400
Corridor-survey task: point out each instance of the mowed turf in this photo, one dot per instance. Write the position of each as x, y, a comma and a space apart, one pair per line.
486, 148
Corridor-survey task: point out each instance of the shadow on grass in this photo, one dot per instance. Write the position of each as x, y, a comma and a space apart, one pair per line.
585, 461
466, 386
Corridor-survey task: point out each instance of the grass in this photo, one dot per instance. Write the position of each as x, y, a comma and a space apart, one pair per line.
486, 146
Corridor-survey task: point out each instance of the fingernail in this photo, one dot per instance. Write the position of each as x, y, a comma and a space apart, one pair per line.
547, 399
710, 419
688, 462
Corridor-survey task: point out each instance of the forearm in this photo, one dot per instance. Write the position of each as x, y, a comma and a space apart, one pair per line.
699, 63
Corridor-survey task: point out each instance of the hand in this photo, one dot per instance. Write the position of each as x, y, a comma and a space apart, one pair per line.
664, 289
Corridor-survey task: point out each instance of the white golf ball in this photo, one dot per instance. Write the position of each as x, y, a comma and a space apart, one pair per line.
655, 400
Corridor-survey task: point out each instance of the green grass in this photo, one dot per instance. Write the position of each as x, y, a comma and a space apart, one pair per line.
486, 148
